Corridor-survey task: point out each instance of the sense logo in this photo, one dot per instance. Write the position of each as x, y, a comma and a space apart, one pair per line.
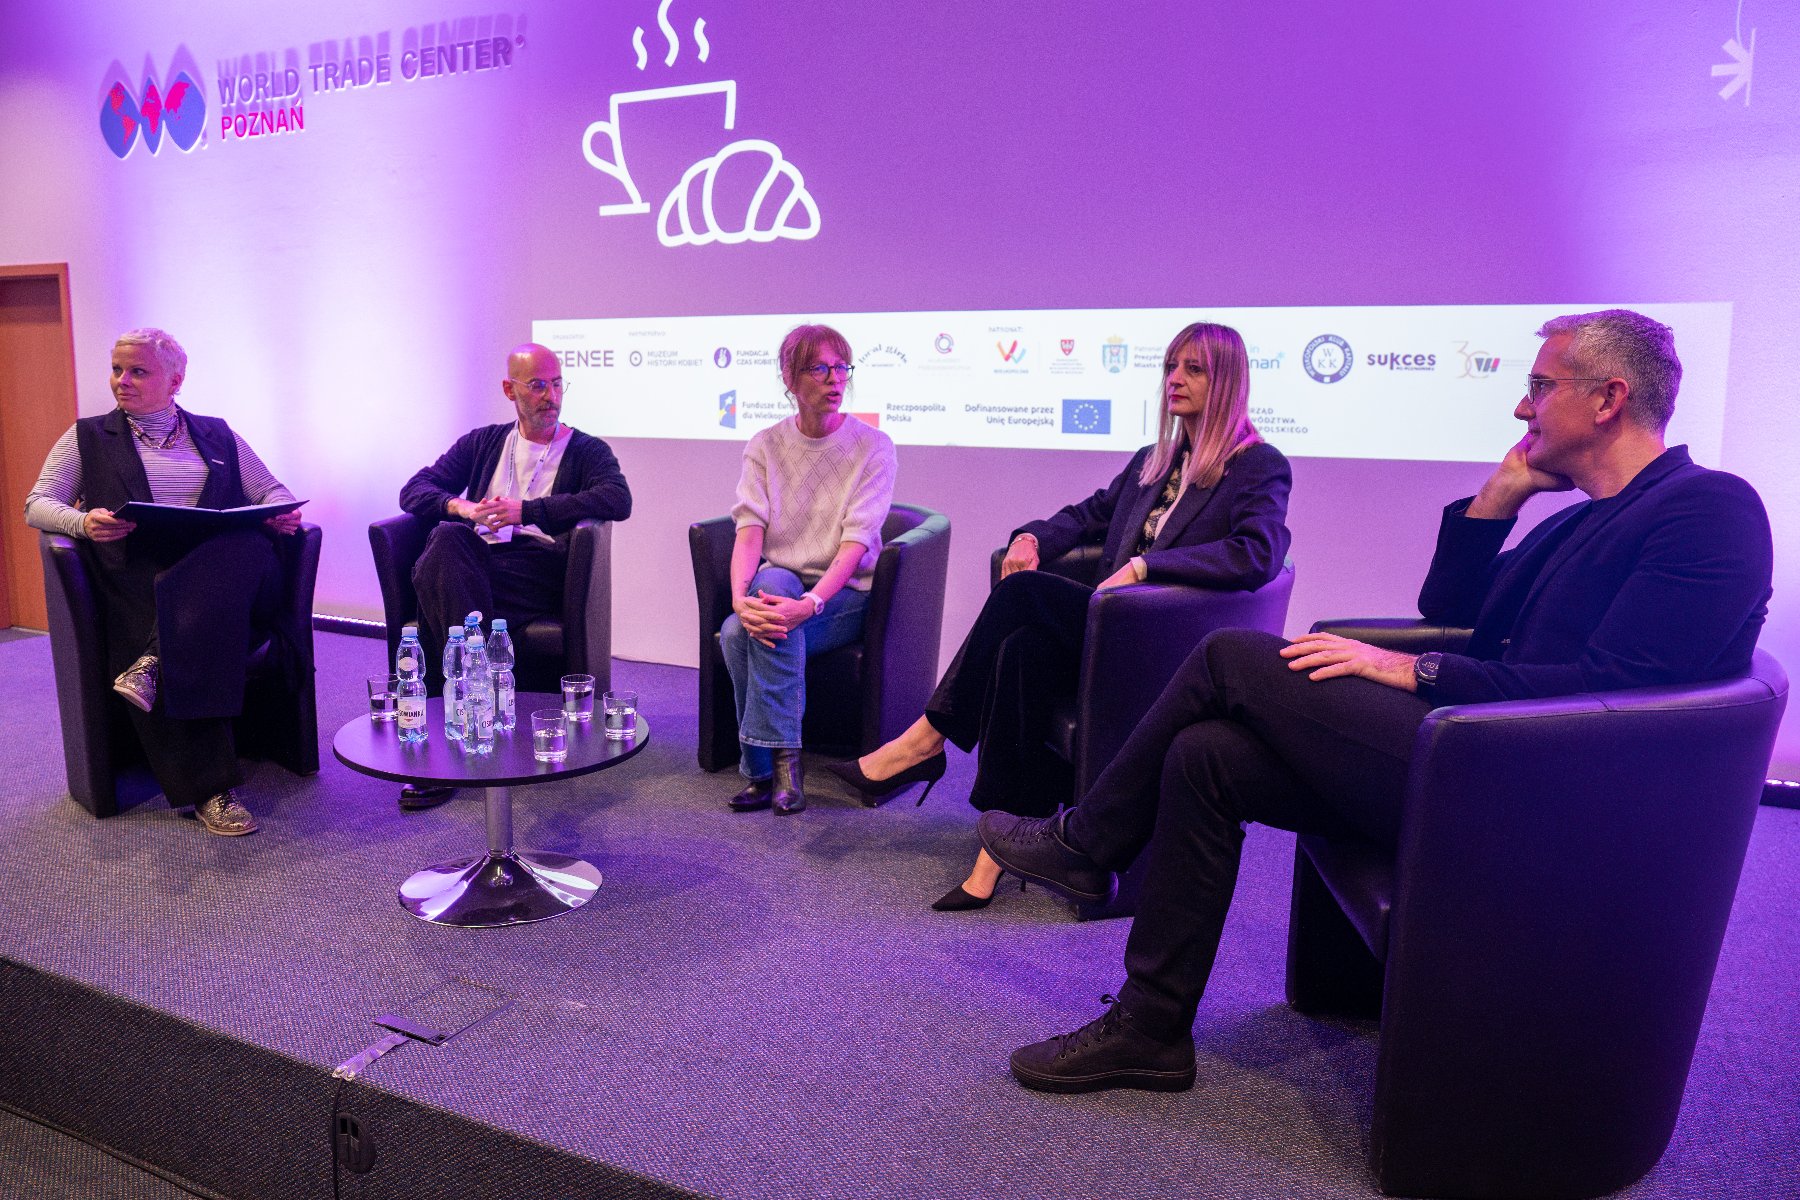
150, 112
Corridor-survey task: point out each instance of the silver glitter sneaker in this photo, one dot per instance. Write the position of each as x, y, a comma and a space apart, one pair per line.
223, 815
137, 683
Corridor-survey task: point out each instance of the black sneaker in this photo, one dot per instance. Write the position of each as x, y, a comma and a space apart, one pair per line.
1105, 1053
1034, 848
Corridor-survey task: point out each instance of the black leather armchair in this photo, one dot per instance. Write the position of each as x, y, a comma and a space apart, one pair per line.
578, 641
1540, 947
105, 764
1136, 638
857, 696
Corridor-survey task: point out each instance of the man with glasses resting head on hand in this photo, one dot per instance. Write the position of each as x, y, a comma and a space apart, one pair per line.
504, 498
1661, 576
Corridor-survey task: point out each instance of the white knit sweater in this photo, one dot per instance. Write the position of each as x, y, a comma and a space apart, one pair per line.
811, 495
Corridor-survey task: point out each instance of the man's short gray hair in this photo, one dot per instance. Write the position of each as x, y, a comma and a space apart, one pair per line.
168, 351
1628, 345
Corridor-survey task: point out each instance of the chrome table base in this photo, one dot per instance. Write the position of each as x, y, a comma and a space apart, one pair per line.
502, 887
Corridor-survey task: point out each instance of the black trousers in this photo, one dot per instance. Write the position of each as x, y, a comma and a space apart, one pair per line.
1237, 736
202, 609
1020, 660
459, 573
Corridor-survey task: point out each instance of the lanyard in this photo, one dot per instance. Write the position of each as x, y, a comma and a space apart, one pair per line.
512, 461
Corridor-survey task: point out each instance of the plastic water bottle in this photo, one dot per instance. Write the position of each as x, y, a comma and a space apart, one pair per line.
472, 625
479, 735
500, 660
456, 685
409, 665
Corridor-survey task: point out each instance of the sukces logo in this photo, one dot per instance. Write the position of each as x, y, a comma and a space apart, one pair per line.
1327, 358
1403, 361
150, 113
1113, 353
1087, 416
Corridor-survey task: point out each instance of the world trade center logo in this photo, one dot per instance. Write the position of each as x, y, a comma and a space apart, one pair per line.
150, 113
744, 191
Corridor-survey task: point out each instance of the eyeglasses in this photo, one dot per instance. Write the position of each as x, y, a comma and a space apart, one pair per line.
1539, 386
824, 371
542, 387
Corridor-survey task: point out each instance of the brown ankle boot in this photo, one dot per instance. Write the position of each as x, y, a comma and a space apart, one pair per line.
785, 789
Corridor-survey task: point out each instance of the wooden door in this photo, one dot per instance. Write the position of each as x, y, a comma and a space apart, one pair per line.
37, 403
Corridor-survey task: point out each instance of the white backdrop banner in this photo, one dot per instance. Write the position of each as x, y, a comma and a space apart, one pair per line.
1436, 383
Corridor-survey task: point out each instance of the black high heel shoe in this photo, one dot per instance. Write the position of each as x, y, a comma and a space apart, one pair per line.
874, 791
959, 900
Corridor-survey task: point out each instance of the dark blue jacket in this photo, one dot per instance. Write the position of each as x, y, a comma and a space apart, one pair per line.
1232, 535
1665, 583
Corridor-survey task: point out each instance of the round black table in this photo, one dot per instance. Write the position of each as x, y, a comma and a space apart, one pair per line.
505, 886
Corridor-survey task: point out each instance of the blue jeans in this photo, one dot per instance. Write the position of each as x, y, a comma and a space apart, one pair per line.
769, 685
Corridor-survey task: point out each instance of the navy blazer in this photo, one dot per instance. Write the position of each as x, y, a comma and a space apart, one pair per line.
1665, 583
1232, 535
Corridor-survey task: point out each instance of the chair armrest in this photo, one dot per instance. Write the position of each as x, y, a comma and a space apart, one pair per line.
902, 626
709, 545
299, 556
1590, 847
587, 602
1137, 636
396, 543
1082, 564
1399, 633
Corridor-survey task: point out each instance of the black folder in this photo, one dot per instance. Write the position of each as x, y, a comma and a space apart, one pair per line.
179, 518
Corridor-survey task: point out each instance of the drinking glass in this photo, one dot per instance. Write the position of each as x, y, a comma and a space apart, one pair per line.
578, 697
549, 735
384, 697
620, 712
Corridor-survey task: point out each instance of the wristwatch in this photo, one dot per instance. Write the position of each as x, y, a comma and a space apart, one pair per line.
1426, 667
818, 604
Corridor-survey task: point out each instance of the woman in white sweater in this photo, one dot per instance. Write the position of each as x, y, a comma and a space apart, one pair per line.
810, 505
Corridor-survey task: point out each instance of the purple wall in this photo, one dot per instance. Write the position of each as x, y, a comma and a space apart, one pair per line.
346, 291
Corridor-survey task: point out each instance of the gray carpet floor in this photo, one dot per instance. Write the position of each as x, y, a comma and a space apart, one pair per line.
764, 1007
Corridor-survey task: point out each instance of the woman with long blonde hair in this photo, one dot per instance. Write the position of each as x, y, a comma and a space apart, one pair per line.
1205, 505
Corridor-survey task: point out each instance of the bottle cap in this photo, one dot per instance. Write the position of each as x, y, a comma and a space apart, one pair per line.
473, 618
407, 631
456, 633
499, 624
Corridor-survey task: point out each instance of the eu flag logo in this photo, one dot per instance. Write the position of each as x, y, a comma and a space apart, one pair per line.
1087, 416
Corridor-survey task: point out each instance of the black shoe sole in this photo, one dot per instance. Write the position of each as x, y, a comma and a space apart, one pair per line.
752, 806
1145, 1081
418, 799
1055, 885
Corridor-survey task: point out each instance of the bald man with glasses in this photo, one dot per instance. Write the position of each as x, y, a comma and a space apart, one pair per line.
504, 499
1661, 576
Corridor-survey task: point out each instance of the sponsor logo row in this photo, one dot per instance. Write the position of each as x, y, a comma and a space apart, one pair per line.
1327, 358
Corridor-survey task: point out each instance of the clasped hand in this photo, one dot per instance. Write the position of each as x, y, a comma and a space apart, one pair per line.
495, 513
770, 618
1328, 656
